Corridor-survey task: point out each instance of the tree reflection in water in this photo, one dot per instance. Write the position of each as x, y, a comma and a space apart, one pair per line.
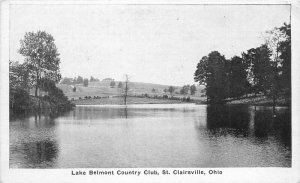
225, 136
279, 126
242, 121
41, 153
222, 119
36, 143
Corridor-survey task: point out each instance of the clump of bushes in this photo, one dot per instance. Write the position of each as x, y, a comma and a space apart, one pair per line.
54, 102
58, 101
19, 100
186, 99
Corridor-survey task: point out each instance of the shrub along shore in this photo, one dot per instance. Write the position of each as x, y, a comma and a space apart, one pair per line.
26, 105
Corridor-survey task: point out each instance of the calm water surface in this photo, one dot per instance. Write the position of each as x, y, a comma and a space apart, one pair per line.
153, 136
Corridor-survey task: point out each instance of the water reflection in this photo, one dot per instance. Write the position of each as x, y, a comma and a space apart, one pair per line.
262, 123
100, 112
33, 143
117, 112
228, 119
255, 136
267, 124
239, 120
40, 154
154, 136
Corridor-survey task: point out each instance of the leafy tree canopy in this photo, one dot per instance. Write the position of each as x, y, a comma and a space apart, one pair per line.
41, 56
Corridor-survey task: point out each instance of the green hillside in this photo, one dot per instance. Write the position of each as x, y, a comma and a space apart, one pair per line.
103, 89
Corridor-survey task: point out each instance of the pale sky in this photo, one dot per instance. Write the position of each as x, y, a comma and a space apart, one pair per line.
152, 43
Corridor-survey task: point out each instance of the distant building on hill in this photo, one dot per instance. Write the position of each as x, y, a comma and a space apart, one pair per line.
107, 80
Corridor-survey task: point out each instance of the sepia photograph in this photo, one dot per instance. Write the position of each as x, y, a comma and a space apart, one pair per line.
148, 89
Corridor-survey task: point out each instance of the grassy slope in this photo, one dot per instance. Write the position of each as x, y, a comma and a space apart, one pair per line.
261, 100
103, 89
120, 101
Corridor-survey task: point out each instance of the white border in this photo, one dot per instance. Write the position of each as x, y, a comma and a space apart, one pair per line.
4, 86
229, 174
120, 2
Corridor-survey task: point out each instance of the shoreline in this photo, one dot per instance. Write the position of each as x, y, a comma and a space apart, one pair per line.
130, 101
261, 101
254, 101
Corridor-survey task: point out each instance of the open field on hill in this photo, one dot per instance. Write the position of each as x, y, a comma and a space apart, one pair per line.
107, 95
103, 89
130, 100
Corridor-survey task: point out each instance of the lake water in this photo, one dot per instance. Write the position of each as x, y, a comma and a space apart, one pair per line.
177, 135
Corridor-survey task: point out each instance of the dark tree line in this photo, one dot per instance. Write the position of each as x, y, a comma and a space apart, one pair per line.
265, 69
19, 85
186, 89
78, 80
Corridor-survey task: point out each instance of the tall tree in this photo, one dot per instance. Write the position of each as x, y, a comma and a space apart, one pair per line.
86, 82
74, 80
260, 67
200, 74
193, 89
278, 41
185, 89
171, 90
79, 79
120, 85
285, 57
112, 84
41, 56
92, 79
237, 77
216, 78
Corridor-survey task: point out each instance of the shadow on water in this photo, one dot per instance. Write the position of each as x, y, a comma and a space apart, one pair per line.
41, 153
223, 120
96, 112
100, 113
273, 123
225, 135
263, 121
38, 121
36, 142
243, 121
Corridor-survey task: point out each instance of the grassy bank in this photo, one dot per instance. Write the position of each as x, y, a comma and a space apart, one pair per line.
130, 100
103, 89
260, 100
253, 100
